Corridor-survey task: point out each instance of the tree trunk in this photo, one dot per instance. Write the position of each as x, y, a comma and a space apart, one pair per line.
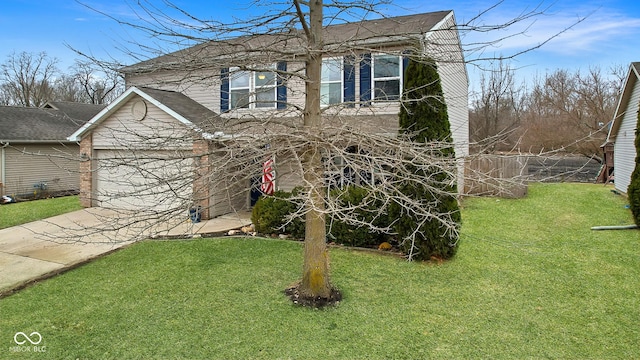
315, 278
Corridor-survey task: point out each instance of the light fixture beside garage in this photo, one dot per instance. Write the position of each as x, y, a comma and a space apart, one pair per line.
139, 110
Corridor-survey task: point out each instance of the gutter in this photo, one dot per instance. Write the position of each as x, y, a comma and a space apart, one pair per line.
6, 143
220, 135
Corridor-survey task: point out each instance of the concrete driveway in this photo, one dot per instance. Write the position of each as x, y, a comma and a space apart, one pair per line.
43, 248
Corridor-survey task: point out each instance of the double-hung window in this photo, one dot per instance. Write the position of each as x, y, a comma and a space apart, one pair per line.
239, 89
252, 89
387, 77
331, 82
265, 89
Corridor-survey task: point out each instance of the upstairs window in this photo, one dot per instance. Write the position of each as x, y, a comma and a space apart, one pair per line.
331, 88
265, 89
252, 89
239, 89
387, 77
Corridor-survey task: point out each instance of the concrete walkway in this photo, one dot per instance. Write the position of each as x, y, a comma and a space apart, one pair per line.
43, 248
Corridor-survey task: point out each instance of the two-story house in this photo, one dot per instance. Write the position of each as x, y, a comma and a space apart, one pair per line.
216, 88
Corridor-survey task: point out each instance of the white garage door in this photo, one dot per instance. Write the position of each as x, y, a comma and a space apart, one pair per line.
143, 180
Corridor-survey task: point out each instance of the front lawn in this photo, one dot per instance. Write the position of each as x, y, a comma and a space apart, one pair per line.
531, 280
28, 211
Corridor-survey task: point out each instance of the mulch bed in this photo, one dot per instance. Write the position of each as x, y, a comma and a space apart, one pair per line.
293, 293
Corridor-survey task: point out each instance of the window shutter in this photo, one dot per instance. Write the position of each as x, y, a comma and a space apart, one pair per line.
349, 80
224, 90
405, 63
281, 92
365, 80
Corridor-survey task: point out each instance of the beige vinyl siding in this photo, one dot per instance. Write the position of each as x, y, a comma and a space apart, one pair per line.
28, 164
624, 151
443, 45
288, 173
2, 171
295, 85
201, 86
157, 130
228, 195
205, 89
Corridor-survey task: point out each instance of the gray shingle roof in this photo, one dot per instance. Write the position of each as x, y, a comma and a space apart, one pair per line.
361, 34
42, 124
404, 26
186, 107
75, 110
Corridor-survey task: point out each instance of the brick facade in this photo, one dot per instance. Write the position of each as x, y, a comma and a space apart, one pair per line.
86, 175
201, 183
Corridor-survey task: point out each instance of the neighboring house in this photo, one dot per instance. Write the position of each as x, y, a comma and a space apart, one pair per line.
366, 83
35, 156
623, 129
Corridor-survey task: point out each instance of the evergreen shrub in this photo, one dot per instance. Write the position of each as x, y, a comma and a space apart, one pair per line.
424, 118
366, 209
270, 214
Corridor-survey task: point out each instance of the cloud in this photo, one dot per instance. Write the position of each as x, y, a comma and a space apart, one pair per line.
592, 35
561, 33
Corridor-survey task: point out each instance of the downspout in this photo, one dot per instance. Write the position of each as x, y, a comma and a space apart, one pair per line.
615, 227
3, 179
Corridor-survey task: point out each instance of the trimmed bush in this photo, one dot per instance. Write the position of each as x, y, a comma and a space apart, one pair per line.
633, 190
366, 209
270, 213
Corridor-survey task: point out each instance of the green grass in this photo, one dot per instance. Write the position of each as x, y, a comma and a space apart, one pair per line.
27, 211
530, 281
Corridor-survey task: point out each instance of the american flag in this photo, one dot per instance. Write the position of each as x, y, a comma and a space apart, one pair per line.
268, 177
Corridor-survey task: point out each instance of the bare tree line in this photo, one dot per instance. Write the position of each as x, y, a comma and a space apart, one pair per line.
32, 79
561, 111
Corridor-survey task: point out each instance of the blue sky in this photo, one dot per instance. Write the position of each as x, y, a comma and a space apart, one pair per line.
608, 36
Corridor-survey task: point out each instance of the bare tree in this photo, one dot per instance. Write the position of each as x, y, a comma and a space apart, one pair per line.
98, 85
5, 95
27, 78
497, 110
87, 83
569, 112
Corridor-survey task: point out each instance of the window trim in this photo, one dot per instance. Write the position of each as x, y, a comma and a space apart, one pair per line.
400, 77
233, 73
340, 69
253, 90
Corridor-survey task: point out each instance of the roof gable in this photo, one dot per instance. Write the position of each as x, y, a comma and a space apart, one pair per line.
177, 105
623, 102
